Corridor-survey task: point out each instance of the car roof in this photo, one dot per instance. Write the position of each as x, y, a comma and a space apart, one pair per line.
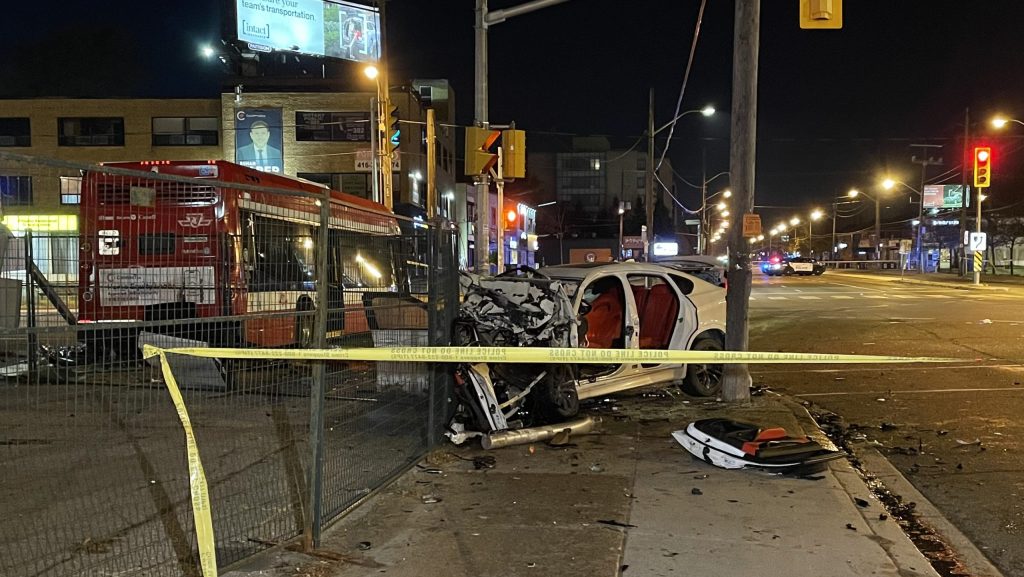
580, 271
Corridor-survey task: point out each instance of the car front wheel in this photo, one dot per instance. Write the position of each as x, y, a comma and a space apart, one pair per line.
555, 397
704, 380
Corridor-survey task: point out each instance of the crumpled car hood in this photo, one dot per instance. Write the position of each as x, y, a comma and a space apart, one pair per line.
519, 311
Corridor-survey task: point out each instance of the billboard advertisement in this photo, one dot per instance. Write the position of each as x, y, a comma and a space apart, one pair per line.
259, 140
333, 29
946, 195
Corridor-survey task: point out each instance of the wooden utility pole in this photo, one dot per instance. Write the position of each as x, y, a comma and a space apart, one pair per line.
736, 381
431, 166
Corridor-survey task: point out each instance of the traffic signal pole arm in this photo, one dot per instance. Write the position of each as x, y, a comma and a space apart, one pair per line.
484, 20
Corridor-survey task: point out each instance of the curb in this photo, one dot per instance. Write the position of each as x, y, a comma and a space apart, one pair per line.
876, 464
952, 285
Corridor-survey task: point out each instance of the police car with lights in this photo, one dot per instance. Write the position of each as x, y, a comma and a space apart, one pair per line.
801, 265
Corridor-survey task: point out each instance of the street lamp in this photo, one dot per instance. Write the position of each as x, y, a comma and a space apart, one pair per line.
623, 207
1001, 122
854, 193
705, 220
889, 184
815, 215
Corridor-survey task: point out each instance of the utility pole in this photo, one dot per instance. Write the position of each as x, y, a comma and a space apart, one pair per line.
962, 263
747, 22
484, 20
702, 228
431, 166
649, 187
924, 162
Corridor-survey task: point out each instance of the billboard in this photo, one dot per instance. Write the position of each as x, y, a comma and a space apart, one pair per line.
317, 27
946, 196
259, 141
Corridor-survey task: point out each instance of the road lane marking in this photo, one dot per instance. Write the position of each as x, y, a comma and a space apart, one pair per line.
904, 392
1012, 367
875, 297
778, 298
842, 297
810, 298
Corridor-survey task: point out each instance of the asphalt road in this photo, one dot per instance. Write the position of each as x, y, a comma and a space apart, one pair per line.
955, 431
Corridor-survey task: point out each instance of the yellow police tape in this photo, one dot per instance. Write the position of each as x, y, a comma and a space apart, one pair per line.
197, 479
533, 355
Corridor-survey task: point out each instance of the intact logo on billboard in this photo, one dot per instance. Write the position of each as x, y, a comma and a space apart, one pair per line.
195, 220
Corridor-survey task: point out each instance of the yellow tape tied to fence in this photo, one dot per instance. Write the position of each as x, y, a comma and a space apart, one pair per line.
197, 478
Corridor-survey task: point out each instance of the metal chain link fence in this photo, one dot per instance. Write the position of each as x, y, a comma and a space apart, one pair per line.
95, 480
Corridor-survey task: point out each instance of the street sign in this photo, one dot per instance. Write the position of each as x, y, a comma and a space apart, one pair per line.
906, 245
364, 161
979, 241
751, 224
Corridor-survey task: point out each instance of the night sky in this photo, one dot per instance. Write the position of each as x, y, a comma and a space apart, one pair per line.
837, 108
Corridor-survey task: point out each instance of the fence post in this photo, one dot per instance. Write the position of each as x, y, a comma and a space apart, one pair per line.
30, 306
313, 518
434, 322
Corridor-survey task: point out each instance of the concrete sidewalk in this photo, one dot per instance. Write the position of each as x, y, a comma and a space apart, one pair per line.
626, 500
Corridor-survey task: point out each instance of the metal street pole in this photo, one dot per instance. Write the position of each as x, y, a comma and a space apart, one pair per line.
962, 264
832, 247
484, 20
810, 237
649, 187
978, 261
384, 97
747, 20
878, 230
374, 143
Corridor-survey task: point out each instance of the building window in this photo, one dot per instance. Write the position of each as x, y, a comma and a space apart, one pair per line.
356, 184
15, 190
332, 126
90, 131
15, 132
71, 190
185, 131
641, 163
641, 183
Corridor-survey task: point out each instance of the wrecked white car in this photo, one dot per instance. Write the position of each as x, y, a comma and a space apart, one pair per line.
607, 306
511, 311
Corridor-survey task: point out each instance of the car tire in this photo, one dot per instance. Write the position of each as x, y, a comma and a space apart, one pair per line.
704, 380
787, 272
819, 273
556, 397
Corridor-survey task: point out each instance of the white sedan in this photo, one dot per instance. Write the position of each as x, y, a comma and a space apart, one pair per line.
644, 306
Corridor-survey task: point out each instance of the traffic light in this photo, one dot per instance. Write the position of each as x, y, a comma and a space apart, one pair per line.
982, 166
510, 216
479, 157
821, 14
513, 146
394, 130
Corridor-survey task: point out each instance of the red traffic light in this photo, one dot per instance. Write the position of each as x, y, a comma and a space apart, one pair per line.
982, 166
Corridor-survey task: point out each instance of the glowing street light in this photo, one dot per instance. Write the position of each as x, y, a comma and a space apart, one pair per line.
794, 221
207, 51
371, 72
720, 206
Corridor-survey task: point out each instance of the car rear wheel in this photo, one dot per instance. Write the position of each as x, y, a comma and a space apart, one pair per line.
704, 380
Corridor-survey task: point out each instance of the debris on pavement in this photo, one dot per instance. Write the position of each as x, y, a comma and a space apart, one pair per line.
429, 499
733, 444
614, 523
964, 443
508, 438
862, 503
696, 491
